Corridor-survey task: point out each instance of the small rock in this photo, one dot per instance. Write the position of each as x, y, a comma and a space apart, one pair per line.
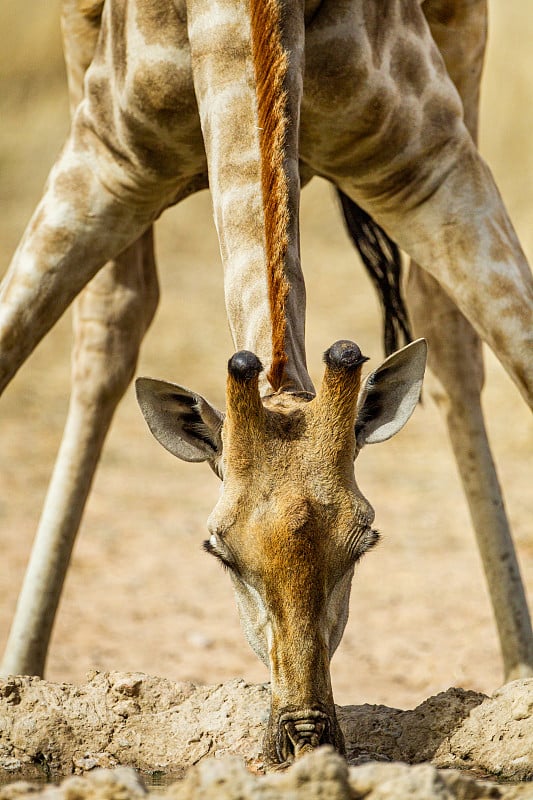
199, 640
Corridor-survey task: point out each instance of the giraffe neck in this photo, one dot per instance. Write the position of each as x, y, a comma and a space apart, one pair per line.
270, 68
247, 72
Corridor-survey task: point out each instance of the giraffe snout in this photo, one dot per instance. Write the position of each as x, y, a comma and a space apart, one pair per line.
298, 731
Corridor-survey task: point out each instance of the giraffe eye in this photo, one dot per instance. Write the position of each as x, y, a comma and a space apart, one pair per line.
212, 546
361, 542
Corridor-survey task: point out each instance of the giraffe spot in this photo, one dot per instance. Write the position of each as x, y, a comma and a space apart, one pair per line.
378, 21
101, 101
437, 61
408, 67
501, 287
73, 185
413, 18
375, 113
398, 135
337, 91
150, 151
163, 93
158, 22
440, 118
118, 28
241, 173
336, 67
370, 137
500, 250
36, 221
441, 11
52, 242
458, 238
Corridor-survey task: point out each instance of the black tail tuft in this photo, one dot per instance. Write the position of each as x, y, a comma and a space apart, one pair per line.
382, 260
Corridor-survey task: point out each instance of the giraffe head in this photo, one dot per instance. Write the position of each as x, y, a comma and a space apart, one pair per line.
291, 522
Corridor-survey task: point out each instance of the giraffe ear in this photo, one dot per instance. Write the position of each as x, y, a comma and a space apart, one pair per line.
182, 421
390, 394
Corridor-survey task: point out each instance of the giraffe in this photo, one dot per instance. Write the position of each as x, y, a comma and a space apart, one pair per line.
374, 103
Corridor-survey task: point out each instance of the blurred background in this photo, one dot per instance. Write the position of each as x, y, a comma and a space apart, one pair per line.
141, 594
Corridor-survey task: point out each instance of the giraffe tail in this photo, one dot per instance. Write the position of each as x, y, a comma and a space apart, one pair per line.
382, 260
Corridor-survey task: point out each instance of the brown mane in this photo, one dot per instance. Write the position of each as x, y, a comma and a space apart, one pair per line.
270, 65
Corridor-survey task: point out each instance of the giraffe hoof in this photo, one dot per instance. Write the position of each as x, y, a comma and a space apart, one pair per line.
344, 355
244, 365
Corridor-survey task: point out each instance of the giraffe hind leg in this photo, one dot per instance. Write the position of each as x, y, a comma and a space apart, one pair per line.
455, 360
111, 316
460, 32
460, 233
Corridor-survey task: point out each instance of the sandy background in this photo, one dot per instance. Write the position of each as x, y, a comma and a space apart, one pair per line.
141, 594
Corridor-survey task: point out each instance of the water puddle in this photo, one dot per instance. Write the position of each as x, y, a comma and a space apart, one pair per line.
39, 774
159, 780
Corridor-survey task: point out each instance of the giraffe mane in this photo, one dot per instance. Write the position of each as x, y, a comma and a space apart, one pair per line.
270, 65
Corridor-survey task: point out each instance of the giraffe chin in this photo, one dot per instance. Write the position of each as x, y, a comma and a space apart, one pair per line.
298, 731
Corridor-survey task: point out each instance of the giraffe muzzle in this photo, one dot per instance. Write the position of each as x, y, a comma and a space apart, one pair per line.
303, 730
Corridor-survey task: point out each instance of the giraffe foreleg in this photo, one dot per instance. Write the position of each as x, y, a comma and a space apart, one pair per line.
81, 222
455, 360
93, 208
110, 318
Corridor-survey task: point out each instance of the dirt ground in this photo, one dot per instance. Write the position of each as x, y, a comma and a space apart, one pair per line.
164, 728
141, 594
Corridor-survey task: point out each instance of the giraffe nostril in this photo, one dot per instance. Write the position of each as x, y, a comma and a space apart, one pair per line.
305, 735
299, 733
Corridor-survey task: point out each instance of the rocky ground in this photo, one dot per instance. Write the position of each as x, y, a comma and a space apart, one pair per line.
212, 736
